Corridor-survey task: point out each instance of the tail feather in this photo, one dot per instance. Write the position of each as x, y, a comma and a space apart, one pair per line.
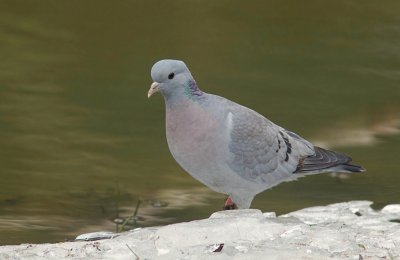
327, 161
351, 168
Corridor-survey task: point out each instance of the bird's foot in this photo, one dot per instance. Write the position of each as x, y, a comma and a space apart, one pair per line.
229, 204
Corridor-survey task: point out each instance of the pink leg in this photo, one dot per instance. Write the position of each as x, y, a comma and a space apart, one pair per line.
229, 204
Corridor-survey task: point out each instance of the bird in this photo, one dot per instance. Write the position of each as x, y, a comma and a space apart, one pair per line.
230, 148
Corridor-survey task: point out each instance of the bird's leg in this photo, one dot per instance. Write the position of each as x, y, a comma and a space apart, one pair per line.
229, 204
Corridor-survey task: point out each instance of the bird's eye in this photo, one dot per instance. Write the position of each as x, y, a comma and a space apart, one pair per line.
171, 75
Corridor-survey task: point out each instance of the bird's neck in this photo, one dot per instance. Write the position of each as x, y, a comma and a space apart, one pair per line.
191, 89
184, 95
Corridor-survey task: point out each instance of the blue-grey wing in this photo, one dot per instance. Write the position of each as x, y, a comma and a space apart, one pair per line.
260, 148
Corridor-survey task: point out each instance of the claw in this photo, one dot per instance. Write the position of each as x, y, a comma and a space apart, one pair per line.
229, 204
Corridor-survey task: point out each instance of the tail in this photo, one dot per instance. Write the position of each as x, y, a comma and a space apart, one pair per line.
327, 161
350, 168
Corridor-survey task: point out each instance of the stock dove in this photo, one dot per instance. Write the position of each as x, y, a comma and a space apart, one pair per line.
231, 148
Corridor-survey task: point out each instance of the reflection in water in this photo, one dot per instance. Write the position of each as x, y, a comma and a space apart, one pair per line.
80, 143
346, 133
156, 212
163, 207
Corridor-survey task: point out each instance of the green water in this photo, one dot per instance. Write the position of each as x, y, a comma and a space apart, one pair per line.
80, 143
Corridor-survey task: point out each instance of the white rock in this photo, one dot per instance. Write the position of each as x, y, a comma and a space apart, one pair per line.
256, 213
350, 230
242, 249
96, 236
269, 214
391, 209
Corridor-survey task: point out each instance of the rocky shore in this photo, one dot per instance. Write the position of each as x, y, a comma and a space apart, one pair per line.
349, 230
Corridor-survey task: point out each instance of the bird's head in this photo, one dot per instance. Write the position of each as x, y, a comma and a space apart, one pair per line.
171, 77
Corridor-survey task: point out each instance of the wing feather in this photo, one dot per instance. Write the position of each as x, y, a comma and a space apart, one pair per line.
259, 147
324, 160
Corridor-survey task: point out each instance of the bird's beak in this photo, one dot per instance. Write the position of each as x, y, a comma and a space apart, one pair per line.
155, 87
